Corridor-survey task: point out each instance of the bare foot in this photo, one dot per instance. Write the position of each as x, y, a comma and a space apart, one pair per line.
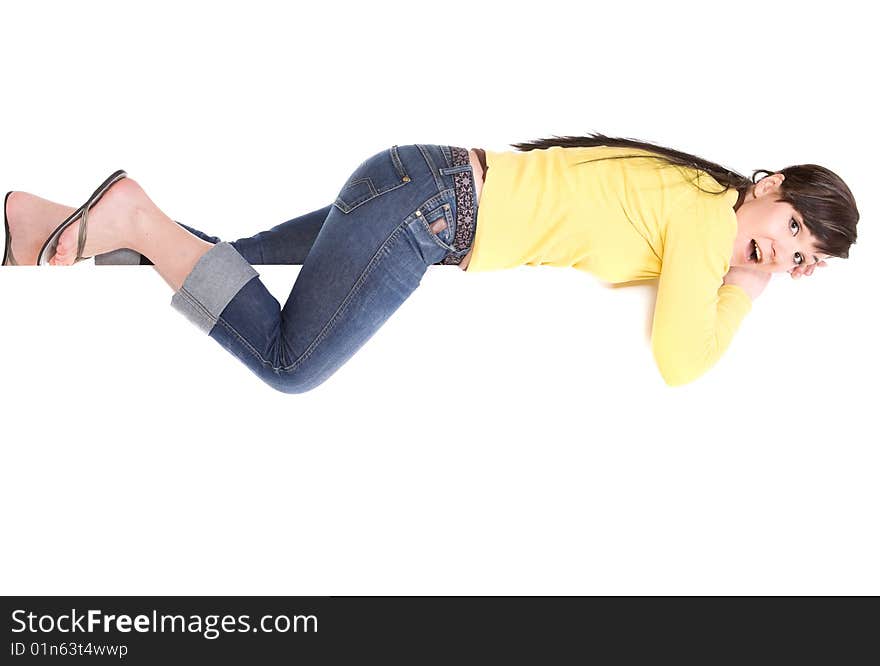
31, 219
112, 223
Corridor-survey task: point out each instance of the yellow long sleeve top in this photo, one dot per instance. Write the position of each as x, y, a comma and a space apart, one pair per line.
621, 220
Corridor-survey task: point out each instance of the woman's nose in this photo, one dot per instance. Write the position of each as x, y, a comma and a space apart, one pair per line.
783, 254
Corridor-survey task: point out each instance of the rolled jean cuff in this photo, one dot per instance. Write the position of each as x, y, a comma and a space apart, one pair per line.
216, 278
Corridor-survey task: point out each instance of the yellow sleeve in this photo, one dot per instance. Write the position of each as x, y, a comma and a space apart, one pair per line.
696, 315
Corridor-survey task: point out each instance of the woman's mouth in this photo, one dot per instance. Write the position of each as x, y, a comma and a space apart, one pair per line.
755, 255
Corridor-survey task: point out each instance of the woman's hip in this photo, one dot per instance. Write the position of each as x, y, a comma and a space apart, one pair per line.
429, 189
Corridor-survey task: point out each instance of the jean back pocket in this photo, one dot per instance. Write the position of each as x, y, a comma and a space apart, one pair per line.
378, 174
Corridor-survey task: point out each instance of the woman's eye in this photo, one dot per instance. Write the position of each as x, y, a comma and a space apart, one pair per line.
798, 257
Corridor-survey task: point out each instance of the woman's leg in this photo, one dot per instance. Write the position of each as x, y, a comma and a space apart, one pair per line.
285, 243
394, 217
33, 218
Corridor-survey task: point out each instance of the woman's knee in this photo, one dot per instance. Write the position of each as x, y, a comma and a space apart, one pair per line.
296, 380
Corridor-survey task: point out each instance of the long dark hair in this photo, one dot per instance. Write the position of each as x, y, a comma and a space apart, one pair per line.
818, 194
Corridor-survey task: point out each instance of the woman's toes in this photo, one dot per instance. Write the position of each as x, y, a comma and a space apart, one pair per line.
66, 243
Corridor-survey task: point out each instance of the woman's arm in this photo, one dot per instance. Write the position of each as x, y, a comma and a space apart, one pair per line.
697, 313
752, 282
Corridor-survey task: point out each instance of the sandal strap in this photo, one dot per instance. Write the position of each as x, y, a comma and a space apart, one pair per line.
9, 258
81, 242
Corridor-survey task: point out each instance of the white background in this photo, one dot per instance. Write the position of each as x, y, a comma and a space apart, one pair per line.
505, 432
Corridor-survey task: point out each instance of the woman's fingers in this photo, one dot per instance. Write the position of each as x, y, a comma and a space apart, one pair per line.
798, 271
812, 267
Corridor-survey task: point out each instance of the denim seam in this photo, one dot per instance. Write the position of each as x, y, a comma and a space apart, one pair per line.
374, 193
380, 253
345, 207
199, 298
368, 181
247, 344
398, 163
446, 215
192, 300
447, 154
433, 203
438, 179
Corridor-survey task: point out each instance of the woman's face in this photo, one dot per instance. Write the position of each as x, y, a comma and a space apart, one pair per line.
783, 240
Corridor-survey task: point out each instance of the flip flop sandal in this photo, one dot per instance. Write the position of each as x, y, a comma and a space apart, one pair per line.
51, 244
7, 251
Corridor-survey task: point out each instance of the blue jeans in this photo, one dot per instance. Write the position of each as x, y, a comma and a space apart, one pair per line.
362, 256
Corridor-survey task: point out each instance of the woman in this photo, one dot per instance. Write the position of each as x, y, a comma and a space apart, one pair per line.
618, 208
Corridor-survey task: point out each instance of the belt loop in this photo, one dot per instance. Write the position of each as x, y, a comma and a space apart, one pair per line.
447, 154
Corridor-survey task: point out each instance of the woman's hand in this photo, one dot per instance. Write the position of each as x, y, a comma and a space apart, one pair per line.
805, 269
753, 282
